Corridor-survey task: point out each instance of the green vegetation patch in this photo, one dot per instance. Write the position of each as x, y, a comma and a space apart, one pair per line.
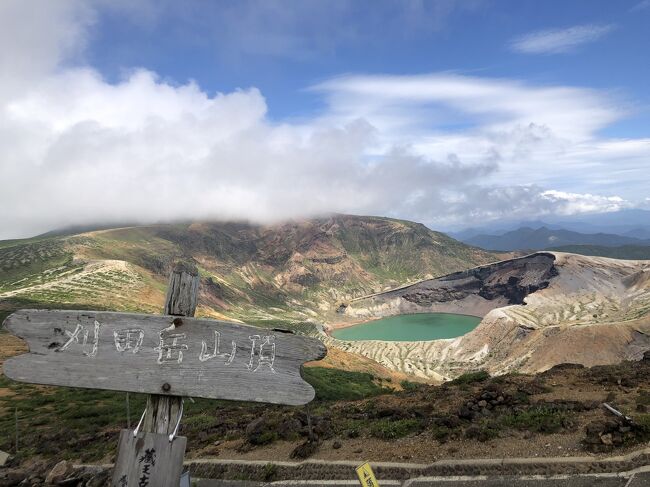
409, 386
387, 429
538, 419
484, 431
62, 419
33, 263
642, 422
643, 398
471, 377
337, 385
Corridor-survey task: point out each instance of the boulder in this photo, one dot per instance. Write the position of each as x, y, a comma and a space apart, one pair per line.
305, 450
602, 436
466, 413
11, 478
289, 428
260, 431
60, 472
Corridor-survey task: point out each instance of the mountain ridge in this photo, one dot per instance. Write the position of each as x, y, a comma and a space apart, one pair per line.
295, 270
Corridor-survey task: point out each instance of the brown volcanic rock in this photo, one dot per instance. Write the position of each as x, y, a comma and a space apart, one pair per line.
475, 291
511, 280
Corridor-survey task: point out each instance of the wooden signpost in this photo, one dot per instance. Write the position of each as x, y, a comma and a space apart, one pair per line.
167, 356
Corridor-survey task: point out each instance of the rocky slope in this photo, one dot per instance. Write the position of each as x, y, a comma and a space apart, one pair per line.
474, 291
294, 271
538, 311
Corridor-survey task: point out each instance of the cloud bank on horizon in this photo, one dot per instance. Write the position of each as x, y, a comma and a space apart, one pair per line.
442, 148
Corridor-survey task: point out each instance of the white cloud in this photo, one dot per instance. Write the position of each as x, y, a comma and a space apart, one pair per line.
642, 5
572, 203
38, 37
543, 135
405, 102
440, 148
554, 41
145, 150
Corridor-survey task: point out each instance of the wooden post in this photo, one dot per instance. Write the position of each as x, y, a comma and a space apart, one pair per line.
182, 298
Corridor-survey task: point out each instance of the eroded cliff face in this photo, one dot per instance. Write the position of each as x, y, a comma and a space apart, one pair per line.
511, 280
475, 291
538, 311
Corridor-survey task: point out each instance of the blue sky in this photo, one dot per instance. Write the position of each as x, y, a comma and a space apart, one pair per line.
312, 42
447, 112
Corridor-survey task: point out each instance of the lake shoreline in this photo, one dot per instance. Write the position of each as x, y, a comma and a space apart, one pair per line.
429, 325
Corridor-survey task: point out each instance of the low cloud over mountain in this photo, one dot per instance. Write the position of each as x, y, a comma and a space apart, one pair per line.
439, 148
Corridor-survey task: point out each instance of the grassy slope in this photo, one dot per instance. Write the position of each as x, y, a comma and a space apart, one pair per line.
410, 251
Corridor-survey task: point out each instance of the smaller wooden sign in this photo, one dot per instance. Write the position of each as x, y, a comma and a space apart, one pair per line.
366, 476
148, 459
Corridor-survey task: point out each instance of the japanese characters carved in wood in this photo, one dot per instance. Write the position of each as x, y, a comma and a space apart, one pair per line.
161, 355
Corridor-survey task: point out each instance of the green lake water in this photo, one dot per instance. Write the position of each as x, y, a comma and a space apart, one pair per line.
411, 327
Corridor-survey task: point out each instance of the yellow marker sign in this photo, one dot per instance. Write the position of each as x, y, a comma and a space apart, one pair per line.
366, 477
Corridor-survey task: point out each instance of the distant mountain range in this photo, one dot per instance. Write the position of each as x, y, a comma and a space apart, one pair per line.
621, 234
633, 223
527, 238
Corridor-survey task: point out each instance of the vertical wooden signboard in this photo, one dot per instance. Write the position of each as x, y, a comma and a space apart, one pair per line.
138, 452
148, 460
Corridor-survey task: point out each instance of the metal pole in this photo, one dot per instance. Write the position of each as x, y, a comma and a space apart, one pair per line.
16, 418
310, 428
616, 412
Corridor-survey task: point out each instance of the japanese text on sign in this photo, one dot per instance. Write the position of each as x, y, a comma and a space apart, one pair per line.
172, 346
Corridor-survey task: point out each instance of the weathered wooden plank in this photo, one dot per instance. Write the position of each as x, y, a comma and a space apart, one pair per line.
161, 355
149, 459
182, 291
182, 299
